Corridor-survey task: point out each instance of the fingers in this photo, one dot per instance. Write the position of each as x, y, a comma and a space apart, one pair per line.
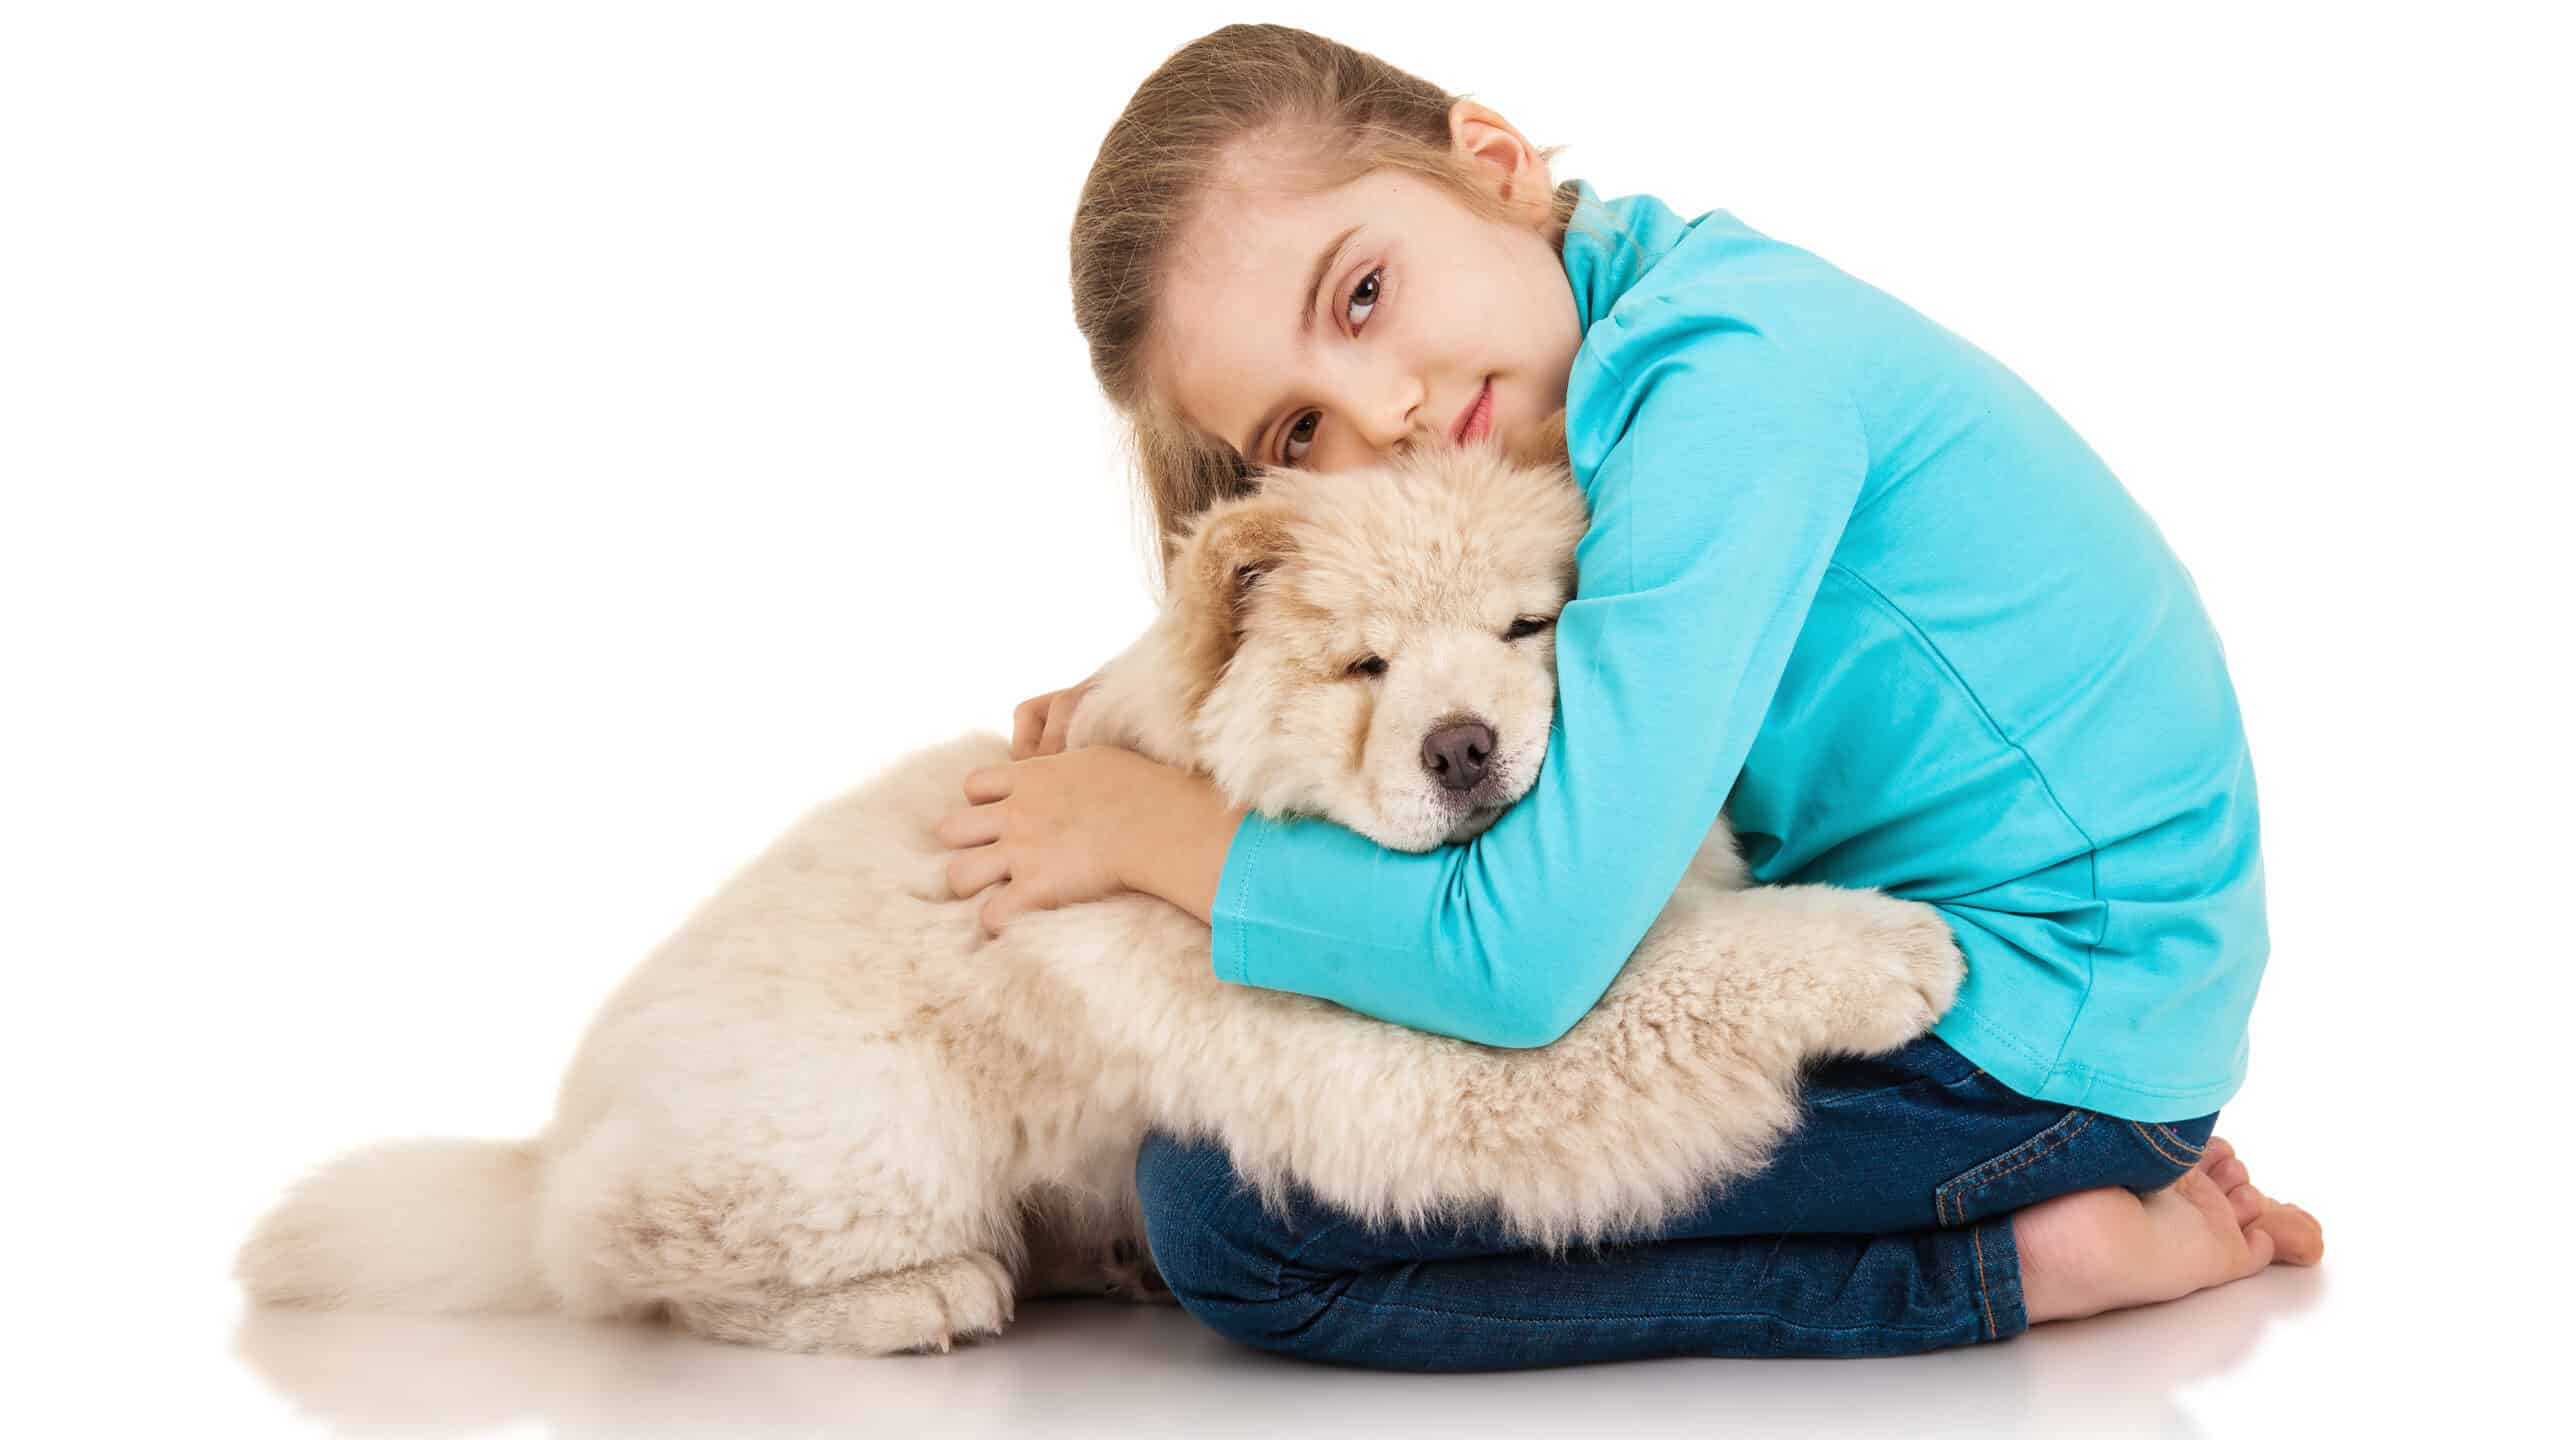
970, 825
1002, 905
973, 831
1053, 736
987, 782
971, 871
1029, 720
1062, 708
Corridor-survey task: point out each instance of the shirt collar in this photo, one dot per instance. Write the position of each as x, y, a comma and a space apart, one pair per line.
1610, 244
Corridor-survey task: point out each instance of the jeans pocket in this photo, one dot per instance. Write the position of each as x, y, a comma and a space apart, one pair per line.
2176, 1145
2082, 1150
2020, 1175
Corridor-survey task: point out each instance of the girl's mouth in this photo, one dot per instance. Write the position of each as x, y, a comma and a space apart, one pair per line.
1478, 419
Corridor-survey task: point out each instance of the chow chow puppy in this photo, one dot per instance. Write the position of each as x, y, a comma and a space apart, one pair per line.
829, 1113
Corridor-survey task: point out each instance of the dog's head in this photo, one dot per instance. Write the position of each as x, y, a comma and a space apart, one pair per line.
1376, 647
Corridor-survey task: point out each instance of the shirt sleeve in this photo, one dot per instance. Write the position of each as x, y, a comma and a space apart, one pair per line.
1723, 470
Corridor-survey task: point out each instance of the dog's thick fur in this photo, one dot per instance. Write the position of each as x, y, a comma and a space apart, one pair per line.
829, 1113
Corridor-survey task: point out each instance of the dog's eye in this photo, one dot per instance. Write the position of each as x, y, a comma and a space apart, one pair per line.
1526, 626
1370, 666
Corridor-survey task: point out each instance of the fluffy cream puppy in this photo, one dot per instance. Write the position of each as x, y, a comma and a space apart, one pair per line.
828, 1113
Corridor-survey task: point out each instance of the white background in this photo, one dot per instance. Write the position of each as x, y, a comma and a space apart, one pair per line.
474, 472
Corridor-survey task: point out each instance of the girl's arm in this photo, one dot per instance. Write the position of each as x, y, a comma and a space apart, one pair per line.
1724, 468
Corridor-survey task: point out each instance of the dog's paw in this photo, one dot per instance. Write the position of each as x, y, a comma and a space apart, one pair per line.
1907, 968
926, 1307
969, 1294
983, 1306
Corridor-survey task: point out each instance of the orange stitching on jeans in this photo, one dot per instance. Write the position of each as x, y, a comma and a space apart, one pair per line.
1983, 1277
2173, 1160
2178, 1141
2020, 1163
2035, 1154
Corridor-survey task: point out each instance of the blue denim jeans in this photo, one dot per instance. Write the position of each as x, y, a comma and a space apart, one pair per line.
1879, 1228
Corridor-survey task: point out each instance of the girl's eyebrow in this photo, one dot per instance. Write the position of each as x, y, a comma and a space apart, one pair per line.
1315, 280
1306, 322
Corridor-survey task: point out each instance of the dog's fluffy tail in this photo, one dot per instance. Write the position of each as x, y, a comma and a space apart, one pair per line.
408, 1225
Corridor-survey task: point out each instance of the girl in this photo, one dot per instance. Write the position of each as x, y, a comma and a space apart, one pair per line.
1846, 576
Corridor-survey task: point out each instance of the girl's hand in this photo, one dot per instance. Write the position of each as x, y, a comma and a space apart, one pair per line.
1040, 723
1083, 824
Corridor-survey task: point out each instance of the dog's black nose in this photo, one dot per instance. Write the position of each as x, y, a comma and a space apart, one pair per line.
1456, 755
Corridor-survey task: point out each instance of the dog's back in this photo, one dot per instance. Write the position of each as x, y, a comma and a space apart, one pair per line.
829, 1113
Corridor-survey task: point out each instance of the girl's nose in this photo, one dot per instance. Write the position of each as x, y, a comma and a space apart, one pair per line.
1395, 420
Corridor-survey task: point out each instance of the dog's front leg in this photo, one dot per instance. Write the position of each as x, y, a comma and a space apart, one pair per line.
1682, 1077
1819, 969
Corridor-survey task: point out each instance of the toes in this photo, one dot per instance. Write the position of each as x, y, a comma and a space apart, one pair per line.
2198, 1189
2247, 1203
2262, 1249
2292, 1232
992, 1309
2216, 1150
2230, 1174
2208, 1206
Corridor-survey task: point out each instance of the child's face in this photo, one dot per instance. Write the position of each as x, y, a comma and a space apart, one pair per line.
1424, 305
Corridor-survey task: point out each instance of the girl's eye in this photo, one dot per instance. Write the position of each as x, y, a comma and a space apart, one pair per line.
1371, 285
1304, 431
1526, 626
1370, 666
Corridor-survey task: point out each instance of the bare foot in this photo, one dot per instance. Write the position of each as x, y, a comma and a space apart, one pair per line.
2104, 1250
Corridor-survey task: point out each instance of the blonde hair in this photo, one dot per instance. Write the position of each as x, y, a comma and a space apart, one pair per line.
1345, 112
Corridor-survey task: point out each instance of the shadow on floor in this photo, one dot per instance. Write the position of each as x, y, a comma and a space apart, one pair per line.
1071, 1368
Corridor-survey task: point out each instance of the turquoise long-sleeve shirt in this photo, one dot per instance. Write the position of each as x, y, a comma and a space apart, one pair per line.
1850, 579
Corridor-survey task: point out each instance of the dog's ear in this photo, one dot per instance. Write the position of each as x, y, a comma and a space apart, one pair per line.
1232, 545
1217, 565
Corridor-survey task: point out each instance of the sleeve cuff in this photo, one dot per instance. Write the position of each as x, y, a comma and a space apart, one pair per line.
1229, 913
